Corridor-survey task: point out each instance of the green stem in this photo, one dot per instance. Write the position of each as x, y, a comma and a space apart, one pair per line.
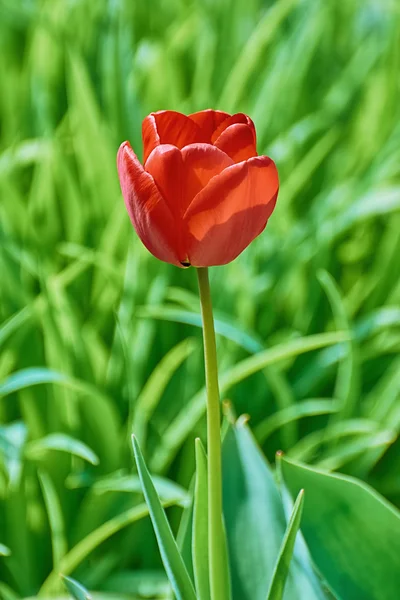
219, 585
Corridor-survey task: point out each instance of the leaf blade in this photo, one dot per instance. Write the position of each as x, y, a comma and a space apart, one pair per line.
281, 570
76, 590
171, 557
348, 528
200, 525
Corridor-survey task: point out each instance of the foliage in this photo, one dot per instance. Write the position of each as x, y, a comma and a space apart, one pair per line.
92, 328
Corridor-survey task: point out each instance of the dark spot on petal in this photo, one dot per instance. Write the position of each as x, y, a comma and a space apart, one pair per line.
185, 263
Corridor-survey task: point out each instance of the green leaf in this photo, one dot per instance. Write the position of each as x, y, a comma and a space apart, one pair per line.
286, 552
4, 550
84, 547
166, 489
12, 443
172, 560
185, 532
76, 590
352, 532
200, 526
27, 377
152, 392
62, 443
104, 418
256, 523
181, 427
308, 408
141, 583
56, 521
224, 327
346, 388
6, 593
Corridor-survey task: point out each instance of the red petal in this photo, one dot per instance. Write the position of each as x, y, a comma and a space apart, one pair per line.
147, 209
150, 136
181, 174
237, 118
231, 211
208, 121
166, 167
201, 163
238, 142
168, 127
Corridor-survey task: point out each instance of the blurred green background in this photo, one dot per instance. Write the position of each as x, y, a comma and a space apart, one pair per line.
99, 338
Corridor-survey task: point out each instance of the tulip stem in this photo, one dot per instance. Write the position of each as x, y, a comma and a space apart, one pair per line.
217, 551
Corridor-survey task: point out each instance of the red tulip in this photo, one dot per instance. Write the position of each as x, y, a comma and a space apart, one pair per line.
202, 194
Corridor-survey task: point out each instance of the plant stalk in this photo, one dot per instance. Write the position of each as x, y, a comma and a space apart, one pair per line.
217, 552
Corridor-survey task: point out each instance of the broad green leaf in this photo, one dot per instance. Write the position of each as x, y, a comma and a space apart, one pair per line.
352, 532
281, 570
200, 526
172, 560
76, 590
256, 524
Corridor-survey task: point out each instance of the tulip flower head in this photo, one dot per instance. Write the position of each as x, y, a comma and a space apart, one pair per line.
202, 194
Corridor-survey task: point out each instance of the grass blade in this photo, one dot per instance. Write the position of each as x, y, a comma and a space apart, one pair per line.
181, 427
85, 546
171, 557
56, 519
281, 571
200, 526
76, 590
62, 443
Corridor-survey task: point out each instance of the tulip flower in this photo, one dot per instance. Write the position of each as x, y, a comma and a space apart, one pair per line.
202, 194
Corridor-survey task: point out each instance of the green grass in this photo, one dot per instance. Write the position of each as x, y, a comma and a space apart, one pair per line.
87, 314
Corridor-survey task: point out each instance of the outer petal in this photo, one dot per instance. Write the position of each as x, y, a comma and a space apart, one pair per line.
169, 127
165, 165
237, 118
209, 120
181, 174
231, 211
147, 209
201, 162
238, 142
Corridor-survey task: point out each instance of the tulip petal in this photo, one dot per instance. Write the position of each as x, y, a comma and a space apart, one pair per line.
181, 174
209, 120
165, 165
169, 127
149, 213
237, 118
238, 142
201, 163
231, 211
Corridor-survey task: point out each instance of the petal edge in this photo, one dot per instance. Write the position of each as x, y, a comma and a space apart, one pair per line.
231, 211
